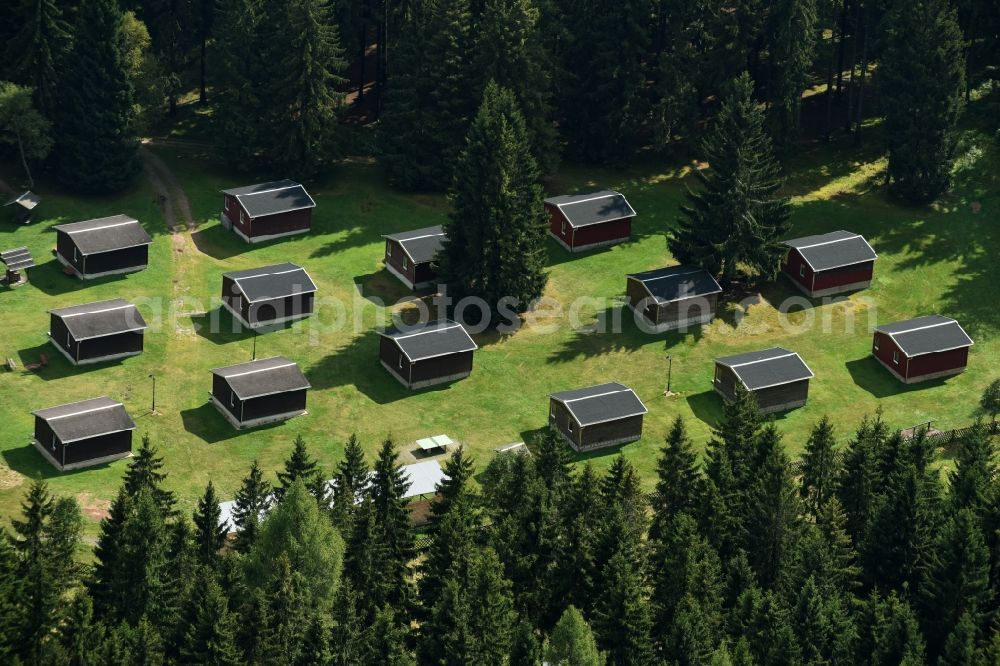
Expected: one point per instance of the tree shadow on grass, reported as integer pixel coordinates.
(615, 330)
(344, 239)
(207, 424)
(871, 376)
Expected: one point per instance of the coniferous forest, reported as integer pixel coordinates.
(862, 552)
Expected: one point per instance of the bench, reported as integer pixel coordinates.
(43, 361)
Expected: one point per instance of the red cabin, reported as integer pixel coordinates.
(923, 348)
(267, 210)
(828, 264)
(582, 222)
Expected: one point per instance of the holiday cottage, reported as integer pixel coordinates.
(673, 298)
(829, 264)
(597, 416)
(105, 246)
(95, 332)
(83, 433)
(267, 210)
(410, 255)
(778, 378)
(259, 392)
(433, 353)
(581, 222)
(269, 295)
(922, 349)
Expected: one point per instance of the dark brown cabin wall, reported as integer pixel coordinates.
(442, 366)
(110, 345)
(117, 260)
(637, 294)
(609, 431)
(280, 308)
(241, 220)
(602, 232)
(390, 354)
(272, 405)
(725, 380)
(60, 335)
(928, 364)
(557, 226)
(44, 436)
(224, 394)
(560, 417)
(394, 258)
(687, 308)
(783, 394)
(231, 294)
(792, 264)
(65, 247)
(98, 447)
(423, 273)
(281, 223)
(845, 275)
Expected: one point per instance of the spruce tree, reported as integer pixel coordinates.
(492, 618)
(989, 402)
(144, 472)
(305, 90)
(80, 637)
(11, 591)
(552, 459)
(860, 480)
(37, 50)
(95, 134)
(351, 478)
(458, 471)
(386, 640)
(971, 483)
(823, 625)
(210, 533)
(622, 620)
(892, 636)
(392, 522)
(679, 484)
(141, 584)
(347, 644)
(240, 108)
(252, 502)
(572, 642)
(298, 467)
(511, 53)
(602, 102)
(819, 467)
(290, 612)
(736, 218)
(792, 40)
(525, 649)
(922, 82)
(576, 565)
(496, 232)
(209, 634)
(960, 648)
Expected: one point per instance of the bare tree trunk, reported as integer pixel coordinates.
(849, 115)
(828, 130)
(840, 48)
(860, 114)
(202, 93)
(363, 50)
(24, 161)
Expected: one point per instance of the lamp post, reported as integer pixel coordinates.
(254, 356)
(153, 377)
(670, 371)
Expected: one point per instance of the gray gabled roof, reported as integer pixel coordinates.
(263, 377)
(17, 259)
(280, 196)
(601, 403)
(927, 335)
(836, 249)
(100, 319)
(86, 419)
(677, 283)
(420, 245)
(581, 210)
(433, 339)
(270, 282)
(105, 234)
(28, 200)
(767, 368)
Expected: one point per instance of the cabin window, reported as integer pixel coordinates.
(75, 255)
(569, 426)
(895, 357)
(388, 249)
(227, 203)
(406, 264)
(232, 399)
(718, 374)
(875, 344)
(68, 343)
(564, 227)
(243, 216)
(400, 360)
(802, 270)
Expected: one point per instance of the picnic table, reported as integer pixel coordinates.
(435, 443)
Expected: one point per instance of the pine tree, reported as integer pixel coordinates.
(773, 512)
(622, 619)
(144, 472)
(305, 93)
(253, 500)
(430, 99)
(572, 642)
(602, 102)
(819, 467)
(36, 52)
(679, 484)
(737, 218)
(387, 640)
(209, 635)
(240, 105)
(510, 52)
(956, 580)
(922, 77)
(96, 141)
(458, 471)
(496, 233)
(298, 466)
(971, 482)
(10, 598)
(352, 477)
(860, 481)
(140, 588)
(792, 36)
(210, 533)
(392, 523)
(892, 636)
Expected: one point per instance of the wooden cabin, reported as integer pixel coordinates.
(673, 298)
(410, 256)
(105, 246)
(598, 416)
(581, 222)
(269, 295)
(81, 434)
(778, 378)
(433, 353)
(96, 332)
(266, 211)
(259, 392)
(828, 264)
(24, 206)
(922, 349)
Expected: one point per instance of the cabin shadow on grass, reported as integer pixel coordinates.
(50, 279)
(206, 423)
(219, 327)
(383, 289)
(614, 331)
(357, 364)
(871, 376)
(218, 242)
(57, 368)
(28, 461)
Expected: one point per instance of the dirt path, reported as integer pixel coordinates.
(174, 200)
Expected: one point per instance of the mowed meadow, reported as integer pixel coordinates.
(938, 259)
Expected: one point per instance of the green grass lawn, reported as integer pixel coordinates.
(932, 260)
